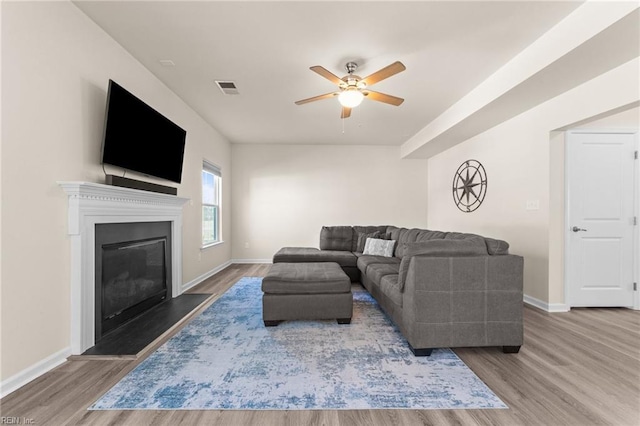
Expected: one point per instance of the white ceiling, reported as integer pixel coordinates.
(267, 48)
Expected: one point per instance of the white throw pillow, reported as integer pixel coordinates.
(377, 247)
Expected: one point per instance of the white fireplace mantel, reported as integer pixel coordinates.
(91, 204)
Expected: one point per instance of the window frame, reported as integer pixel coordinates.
(216, 171)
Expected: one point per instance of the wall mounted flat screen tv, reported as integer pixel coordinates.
(139, 138)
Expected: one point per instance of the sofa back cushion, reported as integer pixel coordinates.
(359, 231)
(336, 238)
(427, 235)
(494, 247)
(459, 236)
(362, 239)
(405, 236)
(393, 232)
(447, 248)
(398, 235)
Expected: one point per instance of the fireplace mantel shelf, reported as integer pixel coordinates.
(97, 191)
(90, 199)
(91, 204)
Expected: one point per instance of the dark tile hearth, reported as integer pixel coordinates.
(135, 335)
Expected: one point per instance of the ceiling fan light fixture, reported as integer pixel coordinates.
(350, 98)
(353, 88)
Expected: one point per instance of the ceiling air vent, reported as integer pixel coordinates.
(227, 87)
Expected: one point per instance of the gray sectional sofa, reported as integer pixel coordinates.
(442, 289)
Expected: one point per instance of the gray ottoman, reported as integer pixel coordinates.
(299, 291)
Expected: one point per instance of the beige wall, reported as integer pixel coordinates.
(524, 161)
(283, 194)
(55, 68)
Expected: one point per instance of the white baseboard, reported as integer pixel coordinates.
(251, 261)
(198, 280)
(36, 370)
(545, 306)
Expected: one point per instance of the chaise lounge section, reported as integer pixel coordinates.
(442, 289)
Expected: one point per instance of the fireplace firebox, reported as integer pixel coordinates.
(133, 271)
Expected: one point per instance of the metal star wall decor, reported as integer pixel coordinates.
(469, 186)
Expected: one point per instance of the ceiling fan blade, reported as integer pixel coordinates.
(317, 98)
(385, 72)
(381, 97)
(327, 74)
(346, 112)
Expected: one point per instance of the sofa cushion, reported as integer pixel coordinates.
(427, 235)
(336, 238)
(308, 254)
(394, 232)
(362, 239)
(357, 230)
(390, 288)
(447, 248)
(402, 238)
(376, 271)
(461, 236)
(365, 260)
(379, 247)
(404, 235)
(440, 248)
(494, 247)
(416, 235)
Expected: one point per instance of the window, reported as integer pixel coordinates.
(211, 198)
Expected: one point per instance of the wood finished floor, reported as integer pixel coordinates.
(576, 368)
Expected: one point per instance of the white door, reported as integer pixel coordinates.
(600, 246)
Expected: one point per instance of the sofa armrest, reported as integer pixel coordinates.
(463, 301)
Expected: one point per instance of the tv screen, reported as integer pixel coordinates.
(139, 138)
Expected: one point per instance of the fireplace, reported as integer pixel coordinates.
(133, 271)
(90, 206)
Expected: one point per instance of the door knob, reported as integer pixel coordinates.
(576, 229)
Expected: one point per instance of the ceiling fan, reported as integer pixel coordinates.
(353, 88)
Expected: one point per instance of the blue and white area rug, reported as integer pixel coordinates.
(227, 359)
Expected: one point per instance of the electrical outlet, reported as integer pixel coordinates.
(246, 245)
(533, 205)
(199, 256)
